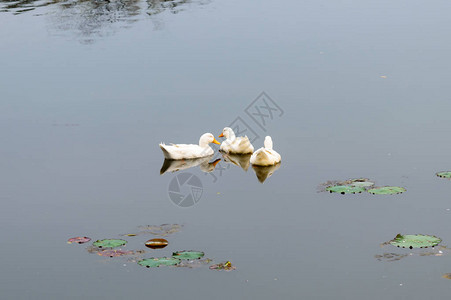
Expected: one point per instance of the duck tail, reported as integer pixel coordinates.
(165, 151)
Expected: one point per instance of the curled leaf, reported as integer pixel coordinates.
(156, 243)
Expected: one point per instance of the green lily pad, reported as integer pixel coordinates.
(446, 174)
(387, 190)
(109, 243)
(415, 241)
(190, 255)
(345, 189)
(156, 262)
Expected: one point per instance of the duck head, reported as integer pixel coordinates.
(206, 139)
(228, 133)
(268, 142)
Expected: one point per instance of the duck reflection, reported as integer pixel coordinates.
(265, 172)
(95, 18)
(177, 165)
(240, 160)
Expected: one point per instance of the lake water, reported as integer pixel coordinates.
(90, 88)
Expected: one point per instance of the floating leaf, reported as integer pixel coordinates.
(226, 266)
(156, 262)
(415, 241)
(78, 240)
(387, 190)
(355, 182)
(446, 276)
(345, 189)
(162, 230)
(446, 174)
(109, 243)
(115, 253)
(363, 184)
(188, 254)
(194, 263)
(156, 243)
(130, 234)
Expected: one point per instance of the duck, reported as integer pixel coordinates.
(233, 144)
(190, 151)
(266, 156)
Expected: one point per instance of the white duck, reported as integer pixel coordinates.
(184, 151)
(265, 156)
(235, 145)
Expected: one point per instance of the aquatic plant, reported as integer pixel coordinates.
(109, 243)
(226, 266)
(387, 190)
(345, 189)
(156, 243)
(188, 255)
(78, 240)
(415, 241)
(115, 253)
(156, 262)
(445, 174)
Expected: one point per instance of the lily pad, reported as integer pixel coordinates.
(156, 243)
(387, 190)
(79, 240)
(191, 264)
(345, 189)
(115, 253)
(415, 241)
(363, 184)
(446, 174)
(156, 262)
(161, 230)
(109, 243)
(190, 255)
(226, 266)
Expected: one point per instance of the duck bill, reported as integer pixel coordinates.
(216, 142)
(221, 135)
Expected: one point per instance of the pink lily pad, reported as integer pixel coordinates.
(115, 253)
(78, 240)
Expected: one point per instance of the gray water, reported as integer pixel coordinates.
(90, 88)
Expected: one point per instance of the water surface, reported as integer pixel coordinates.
(89, 89)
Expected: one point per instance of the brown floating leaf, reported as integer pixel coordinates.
(162, 230)
(156, 243)
(226, 266)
